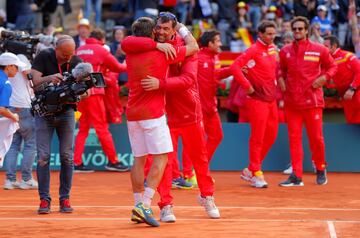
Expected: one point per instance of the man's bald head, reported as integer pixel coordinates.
(65, 48)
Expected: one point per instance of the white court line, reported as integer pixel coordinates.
(331, 229)
(220, 207)
(47, 218)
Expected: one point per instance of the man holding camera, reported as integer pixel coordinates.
(49, 66)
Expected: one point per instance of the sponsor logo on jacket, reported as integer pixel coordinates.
(312, 56)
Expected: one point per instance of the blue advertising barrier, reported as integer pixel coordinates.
(341, 141)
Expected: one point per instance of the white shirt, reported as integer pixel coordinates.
(21, 92)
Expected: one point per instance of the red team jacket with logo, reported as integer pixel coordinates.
(348, 72)
(94, 53)
(182, 97)
(259, 61)
(301, 64)
(144, 105)
(209, 75)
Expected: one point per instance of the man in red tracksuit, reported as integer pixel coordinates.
(183, 110)
(92, 108)
(255, 70)
(209, 75)
(347, 78)
(305, 67)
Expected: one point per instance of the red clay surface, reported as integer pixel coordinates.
(103, 202)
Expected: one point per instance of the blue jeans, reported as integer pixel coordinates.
(25, 22)
(26, 134)
(64, 125)
(96, 5)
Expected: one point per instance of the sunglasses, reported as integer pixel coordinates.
(298, 28)
(168, 15)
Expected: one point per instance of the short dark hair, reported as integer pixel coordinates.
(302, 19)
(207, 37)
(165, 17)
(266, 24)
(143, 26)
(98, 34)
(333, 40)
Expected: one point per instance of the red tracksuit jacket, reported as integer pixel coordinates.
(209, 75)
(94, 53)
(258, 61)
(348, 72)
(301, 64)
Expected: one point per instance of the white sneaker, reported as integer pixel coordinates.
(9, 185)
(30, 184)
(259, 182)
(246, 175)
(209, 204)
(167, 214)
(288, 170)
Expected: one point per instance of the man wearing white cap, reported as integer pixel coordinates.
(9, 64)
(83, 29)
(20, 103)
(325, 24)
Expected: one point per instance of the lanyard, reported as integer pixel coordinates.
(67, 68)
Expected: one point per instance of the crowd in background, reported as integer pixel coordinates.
(236, 20)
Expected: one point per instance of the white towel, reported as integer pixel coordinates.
(7, 129)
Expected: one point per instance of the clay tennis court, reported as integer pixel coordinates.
(103, 202)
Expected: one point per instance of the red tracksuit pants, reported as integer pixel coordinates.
(351, 111)
(93, 114)
(194, 143)
(214, 135)
(263, 119)
(312, 118)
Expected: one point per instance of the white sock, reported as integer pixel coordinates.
(148, 195)
(138, 198)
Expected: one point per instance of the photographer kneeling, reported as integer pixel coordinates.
(49, 66)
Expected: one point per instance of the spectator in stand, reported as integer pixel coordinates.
(63, 8)
(20, 103)
(119, 34)
(227, 18)
(183, 10)
(286, 9)
(315, 34)
(167, 6)
(83, 29)
(256, 8)
(259, 83)
(25, 20)
(93, 5)
(346, 79)
(354, 20)
(144, 8)
(305, 67)
(305, 8)
(241, 27)
(92, 108)
(343, 21)
(325, 23)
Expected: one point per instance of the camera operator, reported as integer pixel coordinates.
(49, 66)
(9, 64)
(92, 108)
